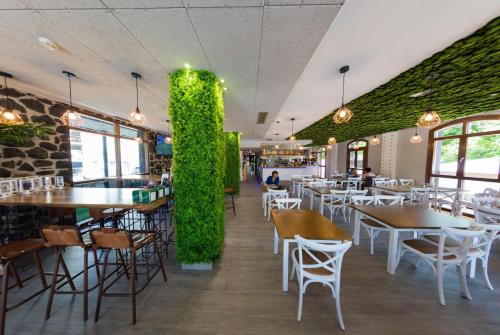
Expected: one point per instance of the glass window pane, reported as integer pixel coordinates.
(359, 163)
(455, 129)
(92, 155)
(482, 126)
(482, 156)
(445, 182)
(352, 157)
(131, 132)
(361, 144)
(445, 158)
(132, 157)
(97, 125)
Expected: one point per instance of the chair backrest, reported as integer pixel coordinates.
(339, 195)
(389, 200)
(315, 184)
(406, 182)
(392, 182)
(307, 179)
(464, 238)
(362, 200)
(333, 250)
(380, 182)
(289, 203)
(485, 214)
(61, 236)
(419, 195)
(111, 238)
(329, 183)
(485, 201)
(357, 192)
(277, 194)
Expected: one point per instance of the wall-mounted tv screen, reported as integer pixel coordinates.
(163, 148)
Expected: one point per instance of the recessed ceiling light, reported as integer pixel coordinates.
(47, 43)
(222, 80)
(225, 88)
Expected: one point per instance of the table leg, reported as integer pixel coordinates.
(285, 265)
(322, 202)
(276, 241)
(393, 251)
(472, 271)
(357, 226)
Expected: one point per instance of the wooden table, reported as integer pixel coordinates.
(322, 191)
(306, 223)
(80, 197)
(403, 218)
(396, 189)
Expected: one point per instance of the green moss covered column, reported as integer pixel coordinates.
(232, 178)
(196, 109)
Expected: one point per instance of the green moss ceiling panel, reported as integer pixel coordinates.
(468, 82)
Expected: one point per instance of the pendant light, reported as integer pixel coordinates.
(416, 139)
(292, 138)
(430, 118)
(136, 117)
(301, 147)
(7, 114)
(329, 147)
(277, 146)
(375, 140)
(168, 138)
(343, 114)
(71, 117)
(139, 140)
(332, 140)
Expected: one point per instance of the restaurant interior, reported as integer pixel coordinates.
(249, 167)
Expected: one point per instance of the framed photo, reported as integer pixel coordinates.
(37, 183)
(27, 185)
(59, 181)
(47, 182)
(5, 188)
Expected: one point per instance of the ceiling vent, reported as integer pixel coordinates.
(261, 117)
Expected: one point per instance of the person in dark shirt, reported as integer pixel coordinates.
(367, 178)
(273, 179)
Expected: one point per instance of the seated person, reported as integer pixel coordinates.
(352, 172)
(273, 179)
(367, 177)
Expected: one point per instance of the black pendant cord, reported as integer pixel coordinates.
(343, 87)
(70, 92)
(7, 102)
(136, 95)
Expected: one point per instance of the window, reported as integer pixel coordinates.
(466, 153)
(322, 161)
(95, 147)
(357, 155)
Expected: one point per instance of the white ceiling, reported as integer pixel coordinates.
(277, 56)
(379, 40)
(259, 47)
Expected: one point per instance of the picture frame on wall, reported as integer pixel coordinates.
(27, 185)
(59, 181)
(37, 183)
(5, 188)
(14, 185)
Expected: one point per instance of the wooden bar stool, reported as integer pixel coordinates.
(60, 237)
(228, 190)
(8, 254)
(132, 241)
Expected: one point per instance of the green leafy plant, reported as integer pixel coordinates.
(23, 132)
(468, 83)
(232, 177)
(197, 112)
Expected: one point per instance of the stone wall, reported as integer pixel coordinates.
(37, 156)
(50, 156)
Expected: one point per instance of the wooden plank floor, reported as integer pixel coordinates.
(243, 295)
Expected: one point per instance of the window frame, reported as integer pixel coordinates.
(117, 136)
(365, 154)
(462, 148)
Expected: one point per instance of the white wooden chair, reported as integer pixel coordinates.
(374, 228)
(337, 200)
(407, 182)
(445, 197)
(315, 262)
(392, 182)
(307, 188)
(271, 197)
(350, 194)
(419, 196)
(440, 257)
(288, 203)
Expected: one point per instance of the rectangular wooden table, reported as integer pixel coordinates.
(396, 189)
(80, 197)
(306, 223)
(403, 218)
(322, 191)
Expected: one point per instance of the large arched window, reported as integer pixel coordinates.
(357, 155)
(322, 161)
(465, 153)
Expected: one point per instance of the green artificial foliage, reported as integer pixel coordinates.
(196, 109)
(232, 177)
(21, 133)
(467, 83)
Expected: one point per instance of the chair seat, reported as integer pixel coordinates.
(307, 260)
(372, 223)
(18, 248)
(228, 190)
(425, 247)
